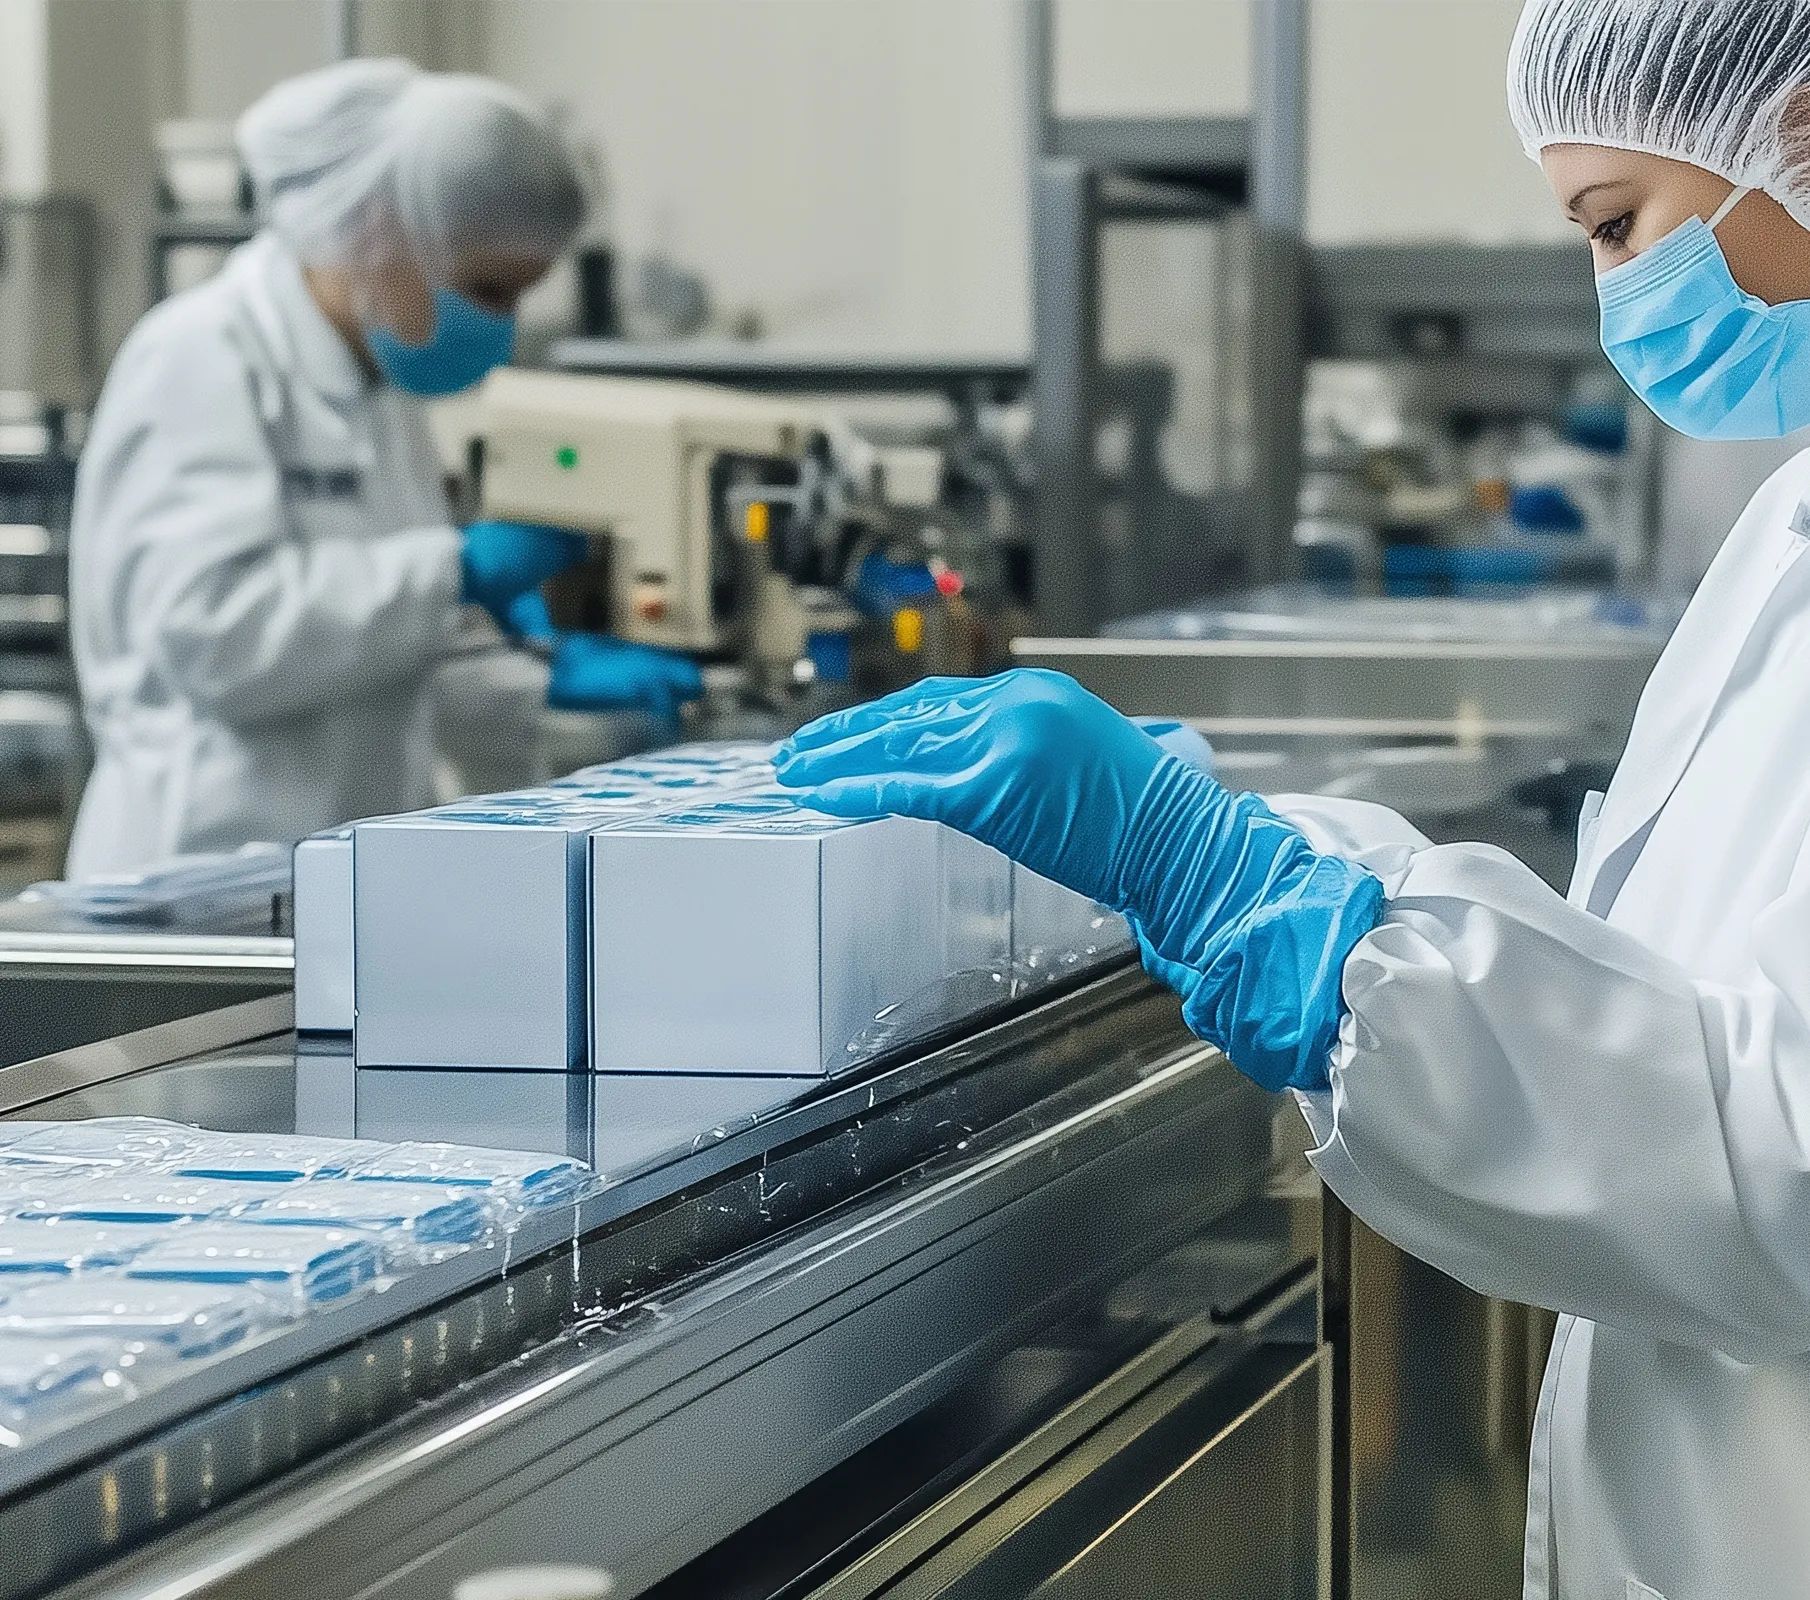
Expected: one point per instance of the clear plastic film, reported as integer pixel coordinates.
(300, 1266)
(133, 1250)
(408, 1221)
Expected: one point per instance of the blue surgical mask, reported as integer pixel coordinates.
(467, 341)
(1711, 360)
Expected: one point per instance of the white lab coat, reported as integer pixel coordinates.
(1603, 1107)
(263, 578)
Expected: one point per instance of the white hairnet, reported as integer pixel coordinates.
(1722, 84)
(345, 158)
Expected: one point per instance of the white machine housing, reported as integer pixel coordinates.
(634, 459)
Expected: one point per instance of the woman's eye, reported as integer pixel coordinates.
(1615, 232)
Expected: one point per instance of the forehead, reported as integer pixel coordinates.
(1572, 168)
(500, 267)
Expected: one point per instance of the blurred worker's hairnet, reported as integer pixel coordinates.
(1722, 84)
(355, 158)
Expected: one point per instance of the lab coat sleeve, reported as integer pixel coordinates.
(1372, 836)
(182, 497)
(1545, 1108)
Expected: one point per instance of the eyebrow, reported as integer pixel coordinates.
(1577, 199)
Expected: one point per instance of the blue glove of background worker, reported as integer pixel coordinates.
(1231, 905)
(502, 561)
(595, 673)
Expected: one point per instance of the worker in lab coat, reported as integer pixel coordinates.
(1598, 1104)
(264, 576)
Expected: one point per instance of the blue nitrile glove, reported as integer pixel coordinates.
(1179, 740)
(594, 673)
(527, 617)
(504, 560)
(1216, 883)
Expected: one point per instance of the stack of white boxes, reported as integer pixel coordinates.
(675, 914)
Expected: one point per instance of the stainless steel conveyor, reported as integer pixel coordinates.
(1031, 1310)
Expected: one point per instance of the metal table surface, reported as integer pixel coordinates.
(928, 1261)
(65, 982)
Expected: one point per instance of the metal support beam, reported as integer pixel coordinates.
(1278, 194)
(1065, 298)
(342, 29)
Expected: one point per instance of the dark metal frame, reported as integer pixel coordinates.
(1088, 171)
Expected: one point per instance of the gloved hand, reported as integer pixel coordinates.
(1217, 885)
(504, 560)
(594, 673)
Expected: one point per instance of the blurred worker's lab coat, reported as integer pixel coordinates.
(263, 577)
(1603, 1106)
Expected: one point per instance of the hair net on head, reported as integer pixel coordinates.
(356, 157)
(1722, 84)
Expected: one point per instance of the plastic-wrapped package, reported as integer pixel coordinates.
(408, 1219)
(322, 917)
(526, 1177)
(137, 1142)
(200, 891)
(189, 1318)
(753, 936)
(65, 1248)
(270, 1157)
(12, 1132)
(303, 1264)
(39, 1378)
(137, 1198)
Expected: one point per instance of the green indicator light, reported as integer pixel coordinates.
(566, 456)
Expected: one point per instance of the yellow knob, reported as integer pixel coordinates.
(908, 630)
(760, 521)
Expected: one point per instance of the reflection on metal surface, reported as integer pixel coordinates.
(1365, 688)
(147, 950)
(30, 1083)
(1443, 1387)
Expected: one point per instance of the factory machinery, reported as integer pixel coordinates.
(1031, 1307)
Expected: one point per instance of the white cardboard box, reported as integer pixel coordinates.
(323, 933)
(754, 938)
(469, 939)
(1056, 931)
(469, 921)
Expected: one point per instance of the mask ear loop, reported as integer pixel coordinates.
(1727, 206)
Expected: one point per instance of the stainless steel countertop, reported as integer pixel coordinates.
(1095, 1091)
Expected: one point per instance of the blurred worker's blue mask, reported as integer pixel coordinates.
(466, 343)
(1710, 359)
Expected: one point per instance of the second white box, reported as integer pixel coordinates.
(751, 937)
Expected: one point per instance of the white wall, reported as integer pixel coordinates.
(236, 49)
(1408, 128)
(1153, 58)
(24, 86)
(850, 170)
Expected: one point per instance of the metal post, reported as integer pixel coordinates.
(1037, 18)
(1335, 1311)
(1065, 298)
(1278, 193)
(342, 29)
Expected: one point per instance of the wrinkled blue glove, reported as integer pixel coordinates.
(595, 673)
(502, 561)
(1230, 903)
